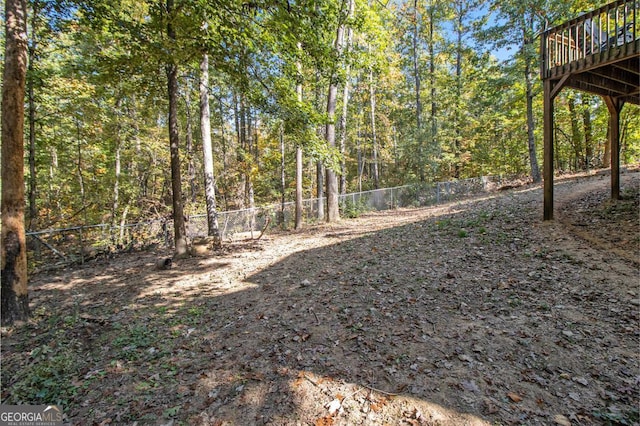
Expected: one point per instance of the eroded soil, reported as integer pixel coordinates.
(471, 313)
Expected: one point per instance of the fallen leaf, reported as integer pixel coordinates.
(324, 421)
(514, 397)
(561, 420)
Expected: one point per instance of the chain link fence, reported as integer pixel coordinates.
(59, 247)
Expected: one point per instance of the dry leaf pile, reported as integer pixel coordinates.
(471, 313)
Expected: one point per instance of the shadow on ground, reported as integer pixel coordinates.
(477, 315)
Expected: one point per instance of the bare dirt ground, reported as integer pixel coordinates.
(471, 313)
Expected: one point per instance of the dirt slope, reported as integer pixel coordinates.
(470, 313)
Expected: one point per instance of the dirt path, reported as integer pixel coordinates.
(469, 313)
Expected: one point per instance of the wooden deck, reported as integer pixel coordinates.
(597, 52)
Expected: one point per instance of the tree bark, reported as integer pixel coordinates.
(207, 151)
(14, 292)
(528, 74)
(432, 80)
(283, 179)
(588, 131)
(416, 77)
(333, 209)
(320, 188)
(298, 213)
(33, 179)
(191, 168)
(457, 144)
(345, 107)
(179, 227)
(576, 137)
(374, 140)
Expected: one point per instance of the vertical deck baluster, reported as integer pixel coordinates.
(553, 58)
(624, 23)
(608, 12)
(584, 39)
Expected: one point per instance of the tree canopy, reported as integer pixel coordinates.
(432, 95)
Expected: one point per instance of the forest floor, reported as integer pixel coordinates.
(469, 313)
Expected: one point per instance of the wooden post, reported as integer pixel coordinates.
(548, 150)
(614, 106)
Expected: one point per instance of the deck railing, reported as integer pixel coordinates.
(595, 32)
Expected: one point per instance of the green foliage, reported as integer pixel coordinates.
(99, 89)
(47, 380)
(353, 209)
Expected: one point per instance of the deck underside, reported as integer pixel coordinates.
(614, 72)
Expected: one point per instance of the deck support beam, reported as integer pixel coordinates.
(614, 106)
(550, 92)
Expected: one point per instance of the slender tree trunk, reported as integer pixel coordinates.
(417, 83)
(588, 131)
(33, 178)
(320, 188)
(374, 141)
(432, 78)
(249, 173)
(333, 210)
(457, 146)
(14, 295)
(360, 155)
(345, 107)
(343, 136)
(179, 226)
(283, 179)
(576, 137)
(528, 74)
(606, 156)
(117, 171)
(321, 132)
(207, 150)
(79, 165)
(116, 184)
(299, 207)
(225, 157)
(191, 168)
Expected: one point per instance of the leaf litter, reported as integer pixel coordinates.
(396, 317)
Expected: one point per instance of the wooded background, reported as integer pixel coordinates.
(415, 91)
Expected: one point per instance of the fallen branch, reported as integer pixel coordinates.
(264, 228)
(49, 246)
(379, 391)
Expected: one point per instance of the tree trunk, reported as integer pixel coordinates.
(606, 156)
(33, 179)
(207, 150)
(14, 295)
(299, 207)
(457, 144)
(191, 168)
(117, 171)
(416, 76)
(320, 188)
(249, 170)
(283, 180)
(432, 78)
(588, 131)
(179, 227)
(333, 210)
(359, 154)
(531, 142)
(576, 137)
(374, 141)
(319, 166)
(345, 107)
